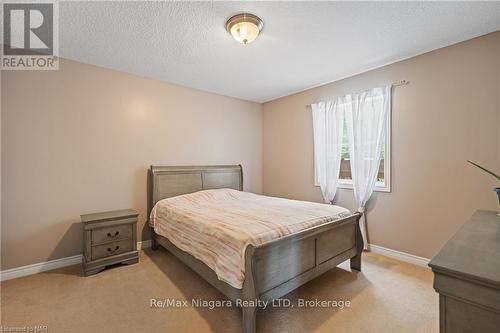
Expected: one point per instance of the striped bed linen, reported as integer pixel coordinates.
(215, 226)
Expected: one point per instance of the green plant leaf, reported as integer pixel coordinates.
(485, 170)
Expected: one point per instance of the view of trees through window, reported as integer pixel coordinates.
(345, 164)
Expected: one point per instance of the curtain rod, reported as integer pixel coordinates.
(394, 84)
(400, 83)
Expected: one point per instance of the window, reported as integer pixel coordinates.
(384, 173)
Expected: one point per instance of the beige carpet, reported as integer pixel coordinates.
(388, 296)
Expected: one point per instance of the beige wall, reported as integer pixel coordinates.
(80, 140)
(498, 105)
(449, 113)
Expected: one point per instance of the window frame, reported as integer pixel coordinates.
(384, 186)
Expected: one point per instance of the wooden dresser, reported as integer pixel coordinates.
(109, 238)
(467, 276)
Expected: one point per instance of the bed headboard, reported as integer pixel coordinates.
(169, 181)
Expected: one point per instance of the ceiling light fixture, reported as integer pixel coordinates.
(244, 27)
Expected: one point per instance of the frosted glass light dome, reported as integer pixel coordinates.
(244, 27)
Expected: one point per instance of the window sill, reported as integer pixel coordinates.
(378, 188)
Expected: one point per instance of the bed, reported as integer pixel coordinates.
(271, 265)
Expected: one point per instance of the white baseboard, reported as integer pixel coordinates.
(74, 260)
(402, 256)
(39, 267)
(13, 273)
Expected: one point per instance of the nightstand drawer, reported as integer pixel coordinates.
(115, 233)
(111, 249)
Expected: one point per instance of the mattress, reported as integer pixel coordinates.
(216, 226)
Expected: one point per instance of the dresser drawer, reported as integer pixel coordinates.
(111, 249)
(118, 232)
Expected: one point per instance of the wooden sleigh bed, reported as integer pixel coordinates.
(273, 269)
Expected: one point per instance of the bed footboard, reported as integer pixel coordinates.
(274, 269)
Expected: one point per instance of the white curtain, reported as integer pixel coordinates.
(328, 126)
(366, 119)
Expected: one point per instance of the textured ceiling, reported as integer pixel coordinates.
(304, 44)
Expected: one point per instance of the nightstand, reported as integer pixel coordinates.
(109, 238)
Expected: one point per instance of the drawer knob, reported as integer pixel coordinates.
(113, 236)
(111, 251)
